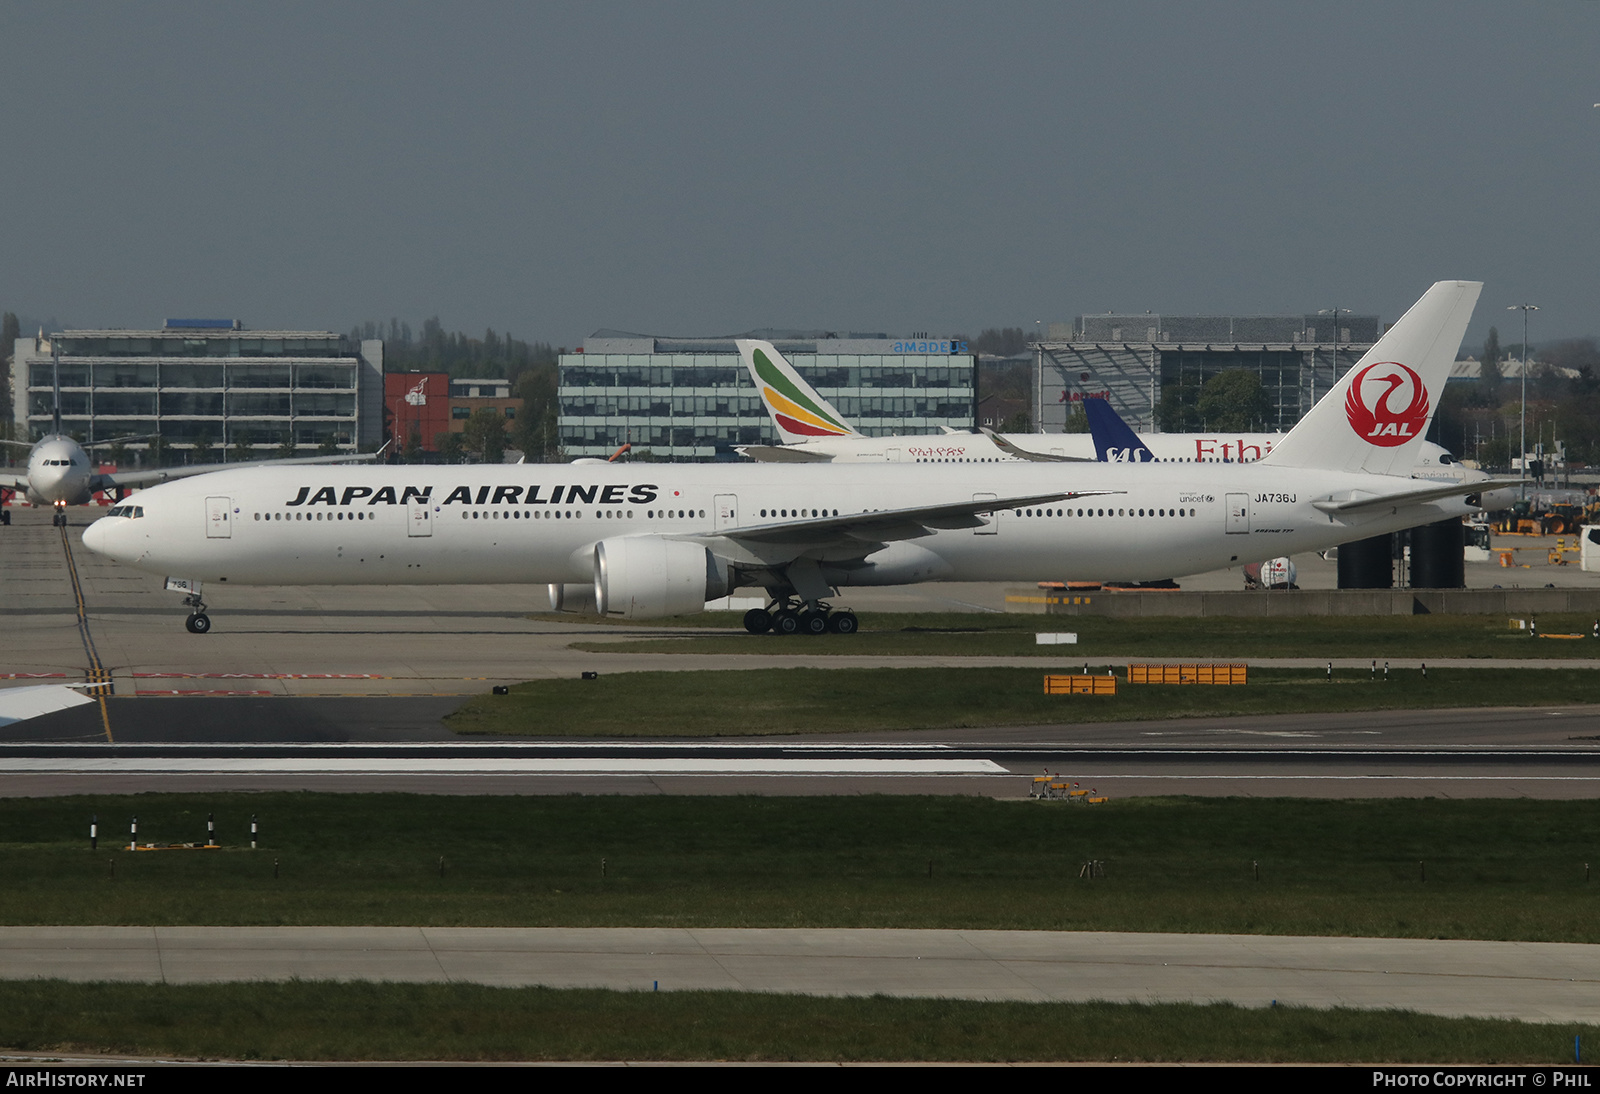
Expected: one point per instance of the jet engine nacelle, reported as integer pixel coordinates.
(648, 577)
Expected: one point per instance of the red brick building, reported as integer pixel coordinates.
(416, 402)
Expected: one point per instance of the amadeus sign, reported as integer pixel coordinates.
(930, 347)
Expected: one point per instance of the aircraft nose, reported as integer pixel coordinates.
(99, 536)
(94, 536)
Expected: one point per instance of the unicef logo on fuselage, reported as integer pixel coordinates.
(930, 347)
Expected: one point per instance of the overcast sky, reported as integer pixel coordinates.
(683, 168)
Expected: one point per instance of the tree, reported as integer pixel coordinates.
(412, 452)
(1234, 400)
(485, 434)
(202, 446)
(157, 450)
(449, 446)
(329, 445)
(242, 440)
(286, 447)
(117, 453)
(1489, 369)
(536, 421)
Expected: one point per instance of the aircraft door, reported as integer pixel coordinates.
(993, 527)
(727, 511)
(419, 519)
(1238, 513)
(219, 518)
(891, 455)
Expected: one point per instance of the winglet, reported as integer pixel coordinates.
(1374, 419)
(798, 412)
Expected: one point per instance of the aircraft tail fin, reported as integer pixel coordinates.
(1375, 418)
(1114, 440)
(798, 412)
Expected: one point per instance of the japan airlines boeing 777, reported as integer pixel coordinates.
(655, 540)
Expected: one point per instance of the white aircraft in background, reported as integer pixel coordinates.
(813, 431)
(655, 540)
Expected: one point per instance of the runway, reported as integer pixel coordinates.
(1530, 981)
(996, 768)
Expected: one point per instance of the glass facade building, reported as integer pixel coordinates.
(691, 399)
(202, 387)
(1138, 362)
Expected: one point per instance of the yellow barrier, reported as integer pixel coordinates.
(1080, 684)
(1186, 674)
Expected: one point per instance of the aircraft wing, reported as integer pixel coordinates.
(781, 453)
(117, 479)
(10, 480)
(1362, 502)
(1023, 454)
(20, 704)
(884, 525)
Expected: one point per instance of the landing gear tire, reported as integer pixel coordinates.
(813, 623)
(758, 621)
(198, 623)
(59, 520)
(843, 623)
(786, 623)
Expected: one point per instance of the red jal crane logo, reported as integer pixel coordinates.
(1369, 405)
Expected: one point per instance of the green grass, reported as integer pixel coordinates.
(977, 634)
(1502, 869)
(756, 702)
(363, 1021)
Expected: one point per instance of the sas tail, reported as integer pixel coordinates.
(1375, 417)
(1114, 441)
(797, 410)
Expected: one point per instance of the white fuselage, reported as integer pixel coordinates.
(540, 523)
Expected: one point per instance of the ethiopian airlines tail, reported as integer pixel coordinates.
(1374, 419)
(797, 410)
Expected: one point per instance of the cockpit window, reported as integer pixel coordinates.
(1446, 458)
(129, 511)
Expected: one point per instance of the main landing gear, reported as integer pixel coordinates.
(791, 616)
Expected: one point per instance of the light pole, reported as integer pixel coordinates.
(1335, 356)
(1522, 436)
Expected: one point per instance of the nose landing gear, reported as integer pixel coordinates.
(198, 622)
(59, 518)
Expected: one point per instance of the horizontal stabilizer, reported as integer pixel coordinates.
(1015, 451)
(1364, 500)
(781, 453)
